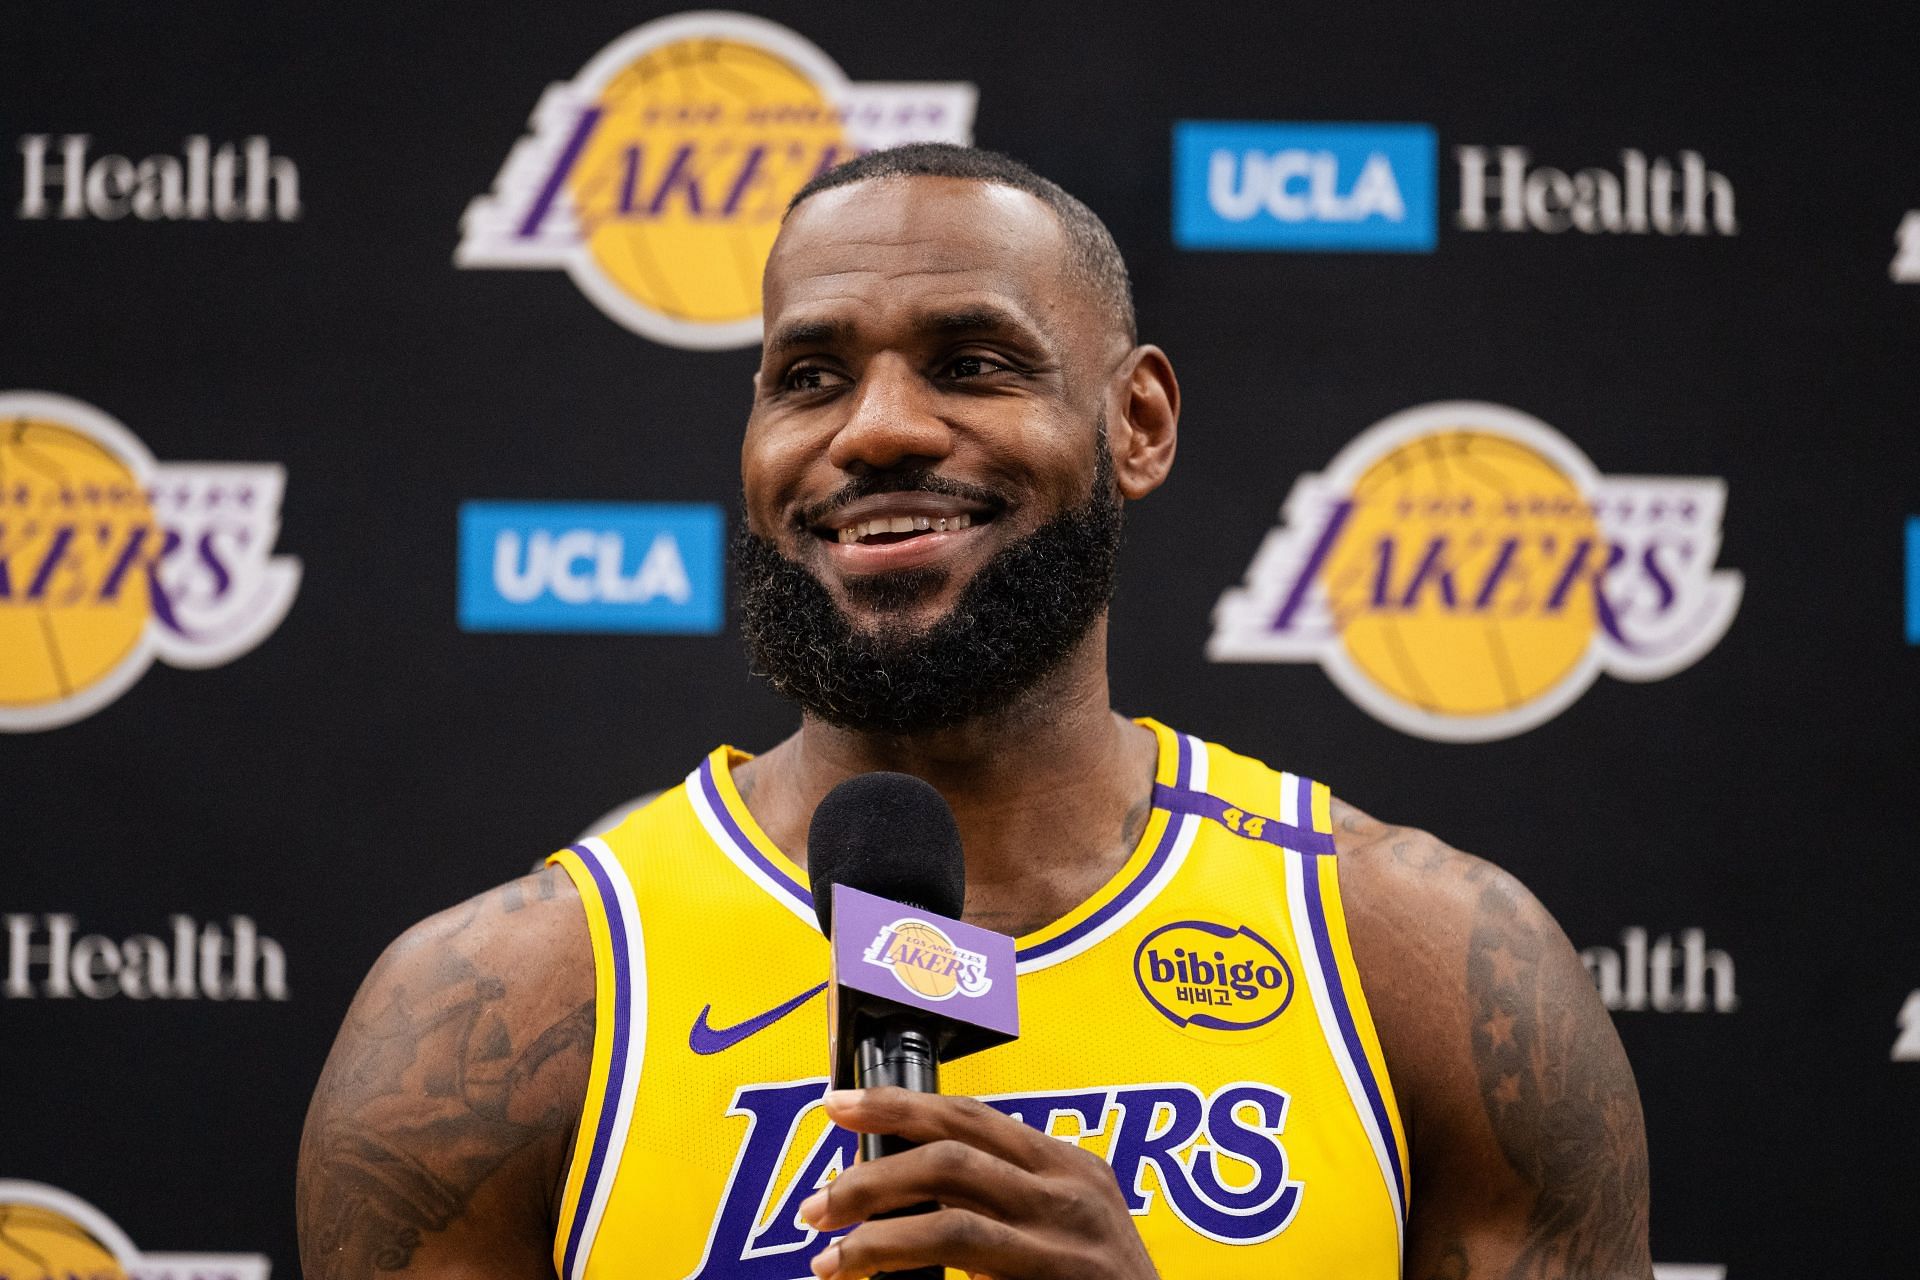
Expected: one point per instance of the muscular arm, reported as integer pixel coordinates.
(439, 1133)
(1528, 1147)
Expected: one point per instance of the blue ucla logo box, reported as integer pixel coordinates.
(1250, 185)
(1913, 579)
(591, 566)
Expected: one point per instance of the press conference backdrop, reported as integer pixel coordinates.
(370, 401)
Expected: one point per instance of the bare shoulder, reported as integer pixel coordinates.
(1528, 1146)
(1417, 909)
(439, 1132)
(1410, 898)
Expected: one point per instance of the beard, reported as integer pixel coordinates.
(1013, 625)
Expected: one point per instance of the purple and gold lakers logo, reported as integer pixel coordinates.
(1464, 573)
(47, 1234)
(1216, 1160)
(109, 560)
(1206, 977)
(927, 962)
(658, 176)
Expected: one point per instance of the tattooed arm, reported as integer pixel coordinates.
(438, 1137)
(1528, 1149)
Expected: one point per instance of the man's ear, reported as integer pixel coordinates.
(1143, 421)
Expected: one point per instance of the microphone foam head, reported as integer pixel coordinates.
(891, 835)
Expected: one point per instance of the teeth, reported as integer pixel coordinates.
(903, 524)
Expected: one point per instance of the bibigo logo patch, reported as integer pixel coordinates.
(109, 560)
(657, 177)
(927, 962)
(1202, 975)
(48, 1234)
(1464, 573)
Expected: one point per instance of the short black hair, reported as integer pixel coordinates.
(1096, 258)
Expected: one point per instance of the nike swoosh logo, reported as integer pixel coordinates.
(704, 1039)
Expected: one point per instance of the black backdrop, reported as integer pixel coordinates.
(369, 761)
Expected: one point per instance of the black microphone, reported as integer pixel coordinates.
(892, 836)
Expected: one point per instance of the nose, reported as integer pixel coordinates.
(891, 420)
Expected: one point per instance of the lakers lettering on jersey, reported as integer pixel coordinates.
(1198, 1023)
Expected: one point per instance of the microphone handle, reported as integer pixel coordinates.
(897, 1051)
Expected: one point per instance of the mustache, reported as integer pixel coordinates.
(923, 480)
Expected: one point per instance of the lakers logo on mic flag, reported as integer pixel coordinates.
(926, 961)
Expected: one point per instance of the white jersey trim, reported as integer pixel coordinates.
(593, 1199)
(1330, 1032)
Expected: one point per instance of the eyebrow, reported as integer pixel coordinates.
(977, 319)
(955, 323)
(808, 333)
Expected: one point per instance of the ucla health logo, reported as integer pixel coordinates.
(109, 560)
(926, 961)
(1198, 974)
(590, 566)
(1243, 185)
(47, 1233)
(1464, 573)
(657, 177)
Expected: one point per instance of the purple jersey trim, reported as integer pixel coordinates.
(1336, 993)
(784, 882)
(1183, 771)
(617, 1068)
(1168, 838)
(1273, 831)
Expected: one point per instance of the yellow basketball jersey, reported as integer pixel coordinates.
(1198, 1023)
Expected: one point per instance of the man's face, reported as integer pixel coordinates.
(925, 446)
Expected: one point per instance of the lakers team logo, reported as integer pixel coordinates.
(1464, 574)
(1203, 975)
(1217, 1161)
(927, 962)
(657, 177)
(109, 560)
(47, 1234)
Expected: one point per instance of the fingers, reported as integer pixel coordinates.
(1013, 1201)
(949, 1237)
(929, 1117)
(947, 1171)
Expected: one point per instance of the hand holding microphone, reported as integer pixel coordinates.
(942, 1182)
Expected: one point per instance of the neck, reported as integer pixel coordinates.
(1049, 796)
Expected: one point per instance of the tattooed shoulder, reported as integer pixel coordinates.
(1510, 1076)
(457, 1076)
(1558, 1092)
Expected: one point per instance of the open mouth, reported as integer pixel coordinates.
(882, 530)
(884, 520)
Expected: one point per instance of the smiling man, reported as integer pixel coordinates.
(1264, 1033)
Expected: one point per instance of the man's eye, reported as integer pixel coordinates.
(973, 366)
(807, 377)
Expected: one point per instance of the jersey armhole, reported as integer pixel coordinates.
(1320, 922)
(1355, 991)
(619, 1028)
